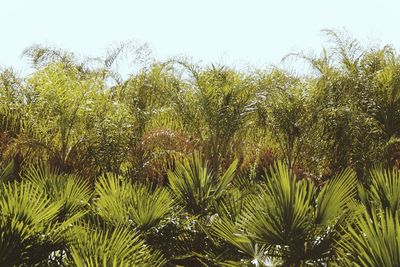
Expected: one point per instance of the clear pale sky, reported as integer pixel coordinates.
(234, 32)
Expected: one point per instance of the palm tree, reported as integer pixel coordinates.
(196, 187)
(371, 240)
(282, 109)
(31, 232)
(381, 191)
(215, 108)
(121, 203)
(372, 237)
(291, 221)
(112, 247)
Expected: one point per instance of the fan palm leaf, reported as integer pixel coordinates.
(373, 240)
(73, 192)
(123, 203)
(196, 187)
(294, 220)
(383, 191)
(112, 247)
(30, 230)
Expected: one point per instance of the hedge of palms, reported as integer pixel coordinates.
(199, 219)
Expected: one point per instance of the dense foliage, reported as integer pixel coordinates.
(181, 164)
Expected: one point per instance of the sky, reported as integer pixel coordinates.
(240, 33)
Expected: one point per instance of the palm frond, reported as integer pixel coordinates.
(122, 203)
(297, 223)
(6, 171)
(383, 191)
(334, 198)
(29, 229)
(196, 187)
(71, 191)
(120, 246)
(373, 240)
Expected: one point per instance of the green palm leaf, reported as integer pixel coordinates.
(373, 240)
(6, 171)
(296, 222)
(29, 229)
(117, 247)
(196, 187)
(123, 203)
(73, 192)
(334, 198)
(383, 192)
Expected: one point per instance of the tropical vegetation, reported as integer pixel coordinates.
(185, 164)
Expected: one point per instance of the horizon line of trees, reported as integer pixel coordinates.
(81, 116)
